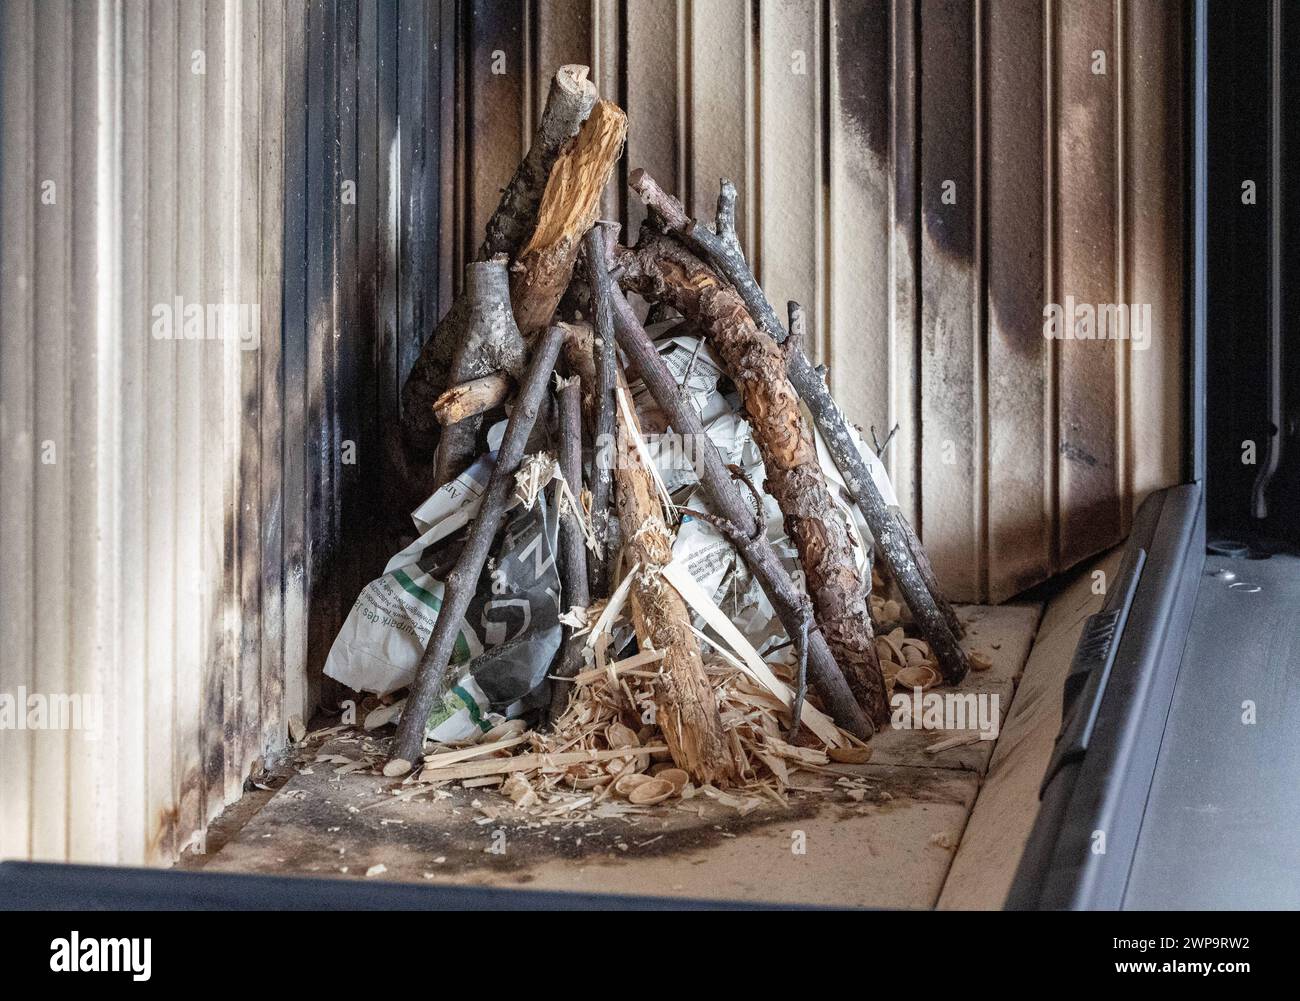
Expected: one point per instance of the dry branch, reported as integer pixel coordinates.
(686, 707)
(569, 208)
(744, 527)
(661, 269)
(573, 548)
(935, 617)
(568, 105)
(431, 672)
(884, 523)
(606, 366)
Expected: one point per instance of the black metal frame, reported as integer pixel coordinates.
(1120, 687)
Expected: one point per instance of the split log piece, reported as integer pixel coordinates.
(568, 210)
(686, 706)
(470, 399)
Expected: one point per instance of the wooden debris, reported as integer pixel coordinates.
(530, 762)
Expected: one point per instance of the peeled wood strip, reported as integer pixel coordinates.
(441, 758)
(527, 762)
(626, 664)
(569, 208)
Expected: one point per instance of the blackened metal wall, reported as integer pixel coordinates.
(924, 175)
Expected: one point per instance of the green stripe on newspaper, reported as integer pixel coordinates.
(459, 652)
(472, 705)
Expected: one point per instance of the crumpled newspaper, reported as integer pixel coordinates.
(509, 634)
(707, 554)
(513, 628)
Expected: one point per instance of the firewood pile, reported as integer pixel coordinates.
(660, 684)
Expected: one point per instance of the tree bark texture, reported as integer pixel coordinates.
(750, 539)
(935, 617)
(661, 269)
(491, 343)
(573, 543)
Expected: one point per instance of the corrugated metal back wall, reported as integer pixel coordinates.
(1059, 124)
(146, 561)
(183, 524)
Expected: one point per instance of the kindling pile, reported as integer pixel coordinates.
(663, 571)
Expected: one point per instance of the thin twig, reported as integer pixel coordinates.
(880, 446)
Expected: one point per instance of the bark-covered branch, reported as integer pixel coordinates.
(606, 365)
(491, 343)
(935, 618)
(573, 545)
(431, 679)
(662, 269)
(744, 527)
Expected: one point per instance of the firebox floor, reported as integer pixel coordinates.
(892, 847)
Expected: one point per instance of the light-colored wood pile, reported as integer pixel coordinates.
(602, 760)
